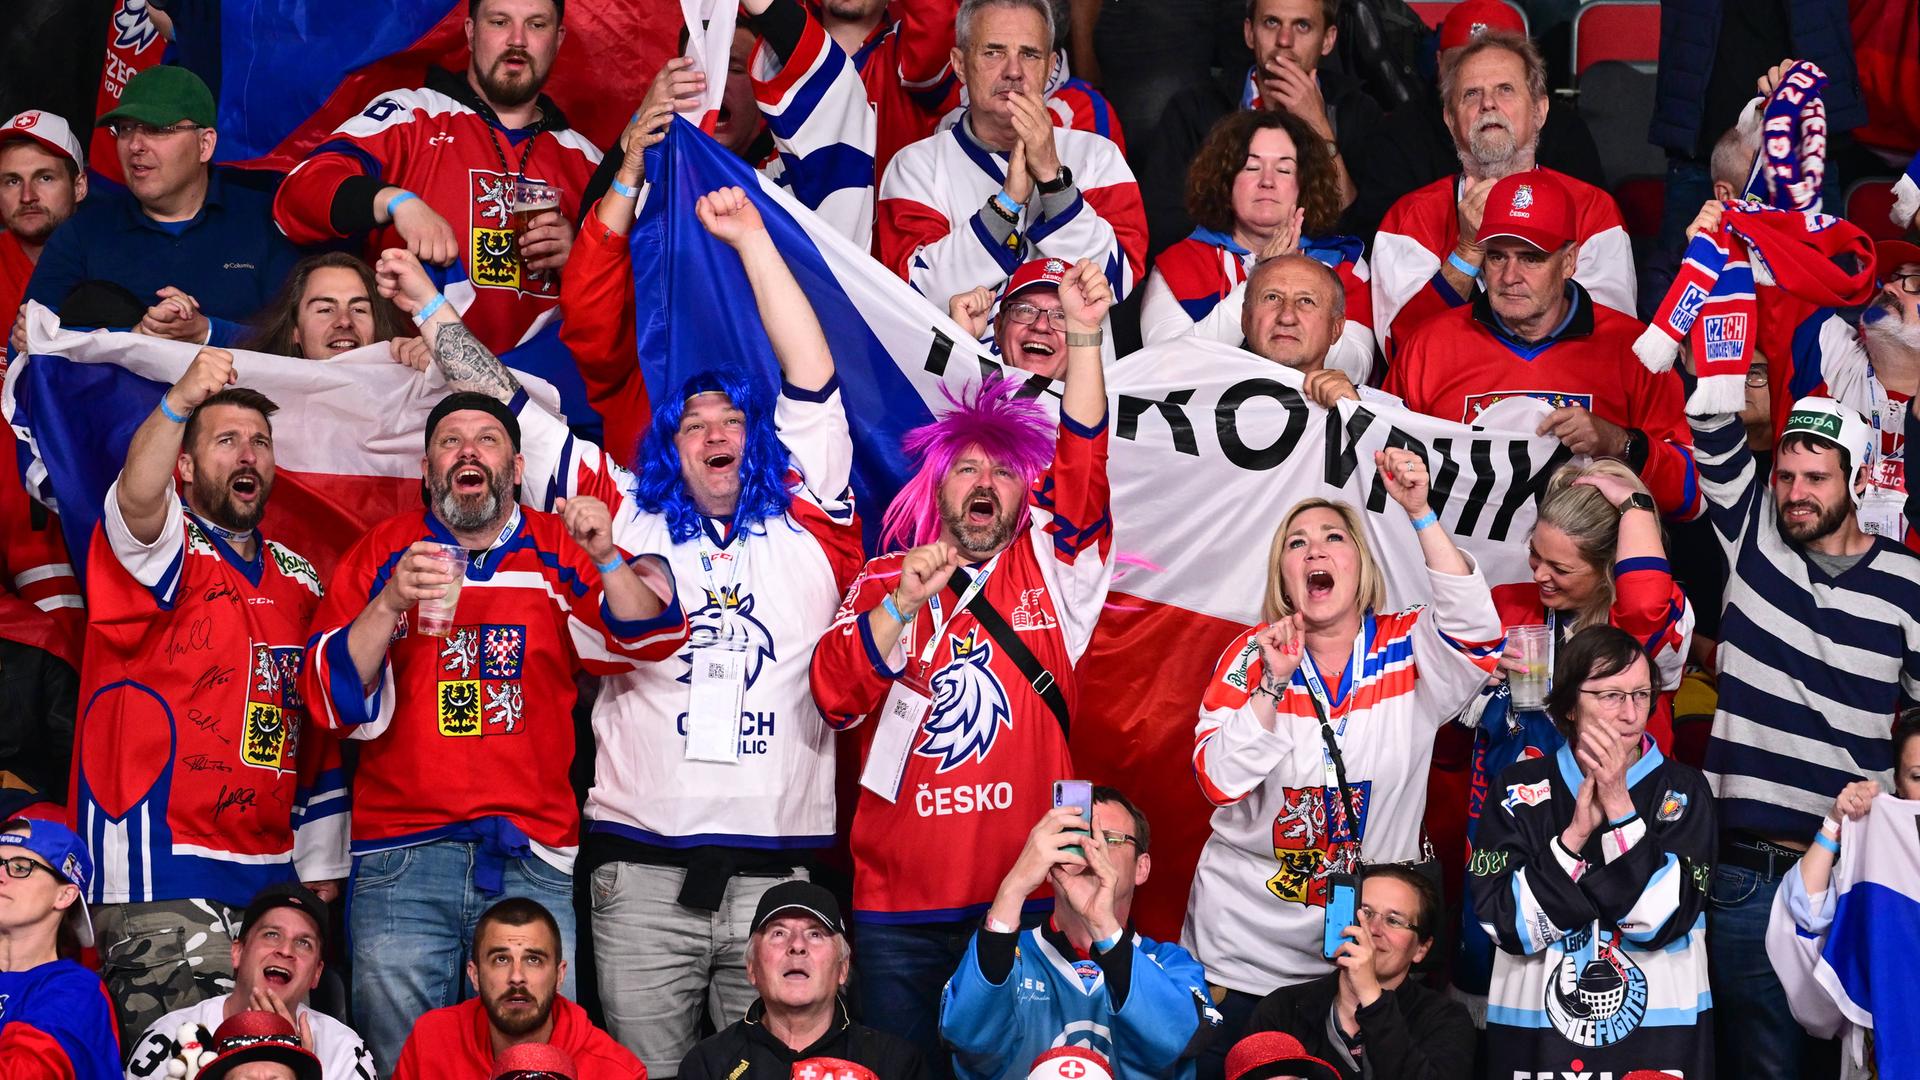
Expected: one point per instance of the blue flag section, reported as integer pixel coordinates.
(82, 446)
(694, 309)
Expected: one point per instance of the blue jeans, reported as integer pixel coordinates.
(902, 971)
(411, 921)
(1755, 1033)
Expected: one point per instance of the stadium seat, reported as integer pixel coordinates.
(1625, 30)
(1642, 200)
(1616, 101)
(1869, 202)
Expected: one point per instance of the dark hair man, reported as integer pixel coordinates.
(42, 180)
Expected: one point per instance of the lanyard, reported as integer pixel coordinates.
(940, 624)
(525, 153)
(1553, 645)
(479, 558)
(714, 589)
(1310, 673)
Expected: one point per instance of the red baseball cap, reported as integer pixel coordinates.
(47, 129)
(253, 1035)
(1270, 1048)
(1470, 19)
(1032, 275)
(1891, 255)
(1529, 206)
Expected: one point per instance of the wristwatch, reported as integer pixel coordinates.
(1639, 500)
(1056, 185)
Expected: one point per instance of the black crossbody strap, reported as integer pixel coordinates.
(1003, 635)
(1339, 772)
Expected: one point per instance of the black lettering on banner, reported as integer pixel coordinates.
(1226, 415)
(1035, 386)
(1172, 410)
(1396, 440)
(1343, 440)
(1480, 456)
(1441, 476)
(1519, 494)
(937, 356)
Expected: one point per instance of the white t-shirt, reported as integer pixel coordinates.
(342, 1055)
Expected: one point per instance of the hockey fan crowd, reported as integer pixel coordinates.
(641, 758)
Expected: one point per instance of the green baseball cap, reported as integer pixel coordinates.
(163, 95)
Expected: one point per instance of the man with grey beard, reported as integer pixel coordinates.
(1493, 92)
(461, 792)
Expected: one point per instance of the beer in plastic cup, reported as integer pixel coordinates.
(531, 198)
(1529, 645)
(435, 614)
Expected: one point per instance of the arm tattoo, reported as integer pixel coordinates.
(468, 364)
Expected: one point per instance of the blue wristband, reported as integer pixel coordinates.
(427, 309)
(624, 189)
(610, 565)
(887, 603)
(1425, 520)
(1827, 842)
(1106, 944)
(1007, 204)
(1454, 260)
(170, 414)
(397, 200)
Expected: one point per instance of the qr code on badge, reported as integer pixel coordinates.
(716, 671)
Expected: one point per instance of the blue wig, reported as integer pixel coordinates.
(660, 488)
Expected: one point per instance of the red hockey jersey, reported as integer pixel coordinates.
(1459, 363)
(1422, 228)
(192, 774)
(979, 772)
(442, 143)
(39, 597)
(456, 1043)
(492, 699)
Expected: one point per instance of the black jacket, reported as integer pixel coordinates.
(748, 1043)
(1411, 1033)
(1162, 169)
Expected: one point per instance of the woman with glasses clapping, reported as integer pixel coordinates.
(1591, 876)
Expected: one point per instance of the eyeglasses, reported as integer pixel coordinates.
(1613, 699)
(1393, 919)
(1756, 377)
(1909, 283)
(1025, 314)
(127, 129)
(1114, 839)
(22, 867)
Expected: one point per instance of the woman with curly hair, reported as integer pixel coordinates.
(1262, 185)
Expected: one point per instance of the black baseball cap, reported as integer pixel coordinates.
(465, 400)
(802, 896)
(287, 894)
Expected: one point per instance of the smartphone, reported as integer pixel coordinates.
(1079, 795)
(1341, 898)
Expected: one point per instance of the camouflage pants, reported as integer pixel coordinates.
(157, 957)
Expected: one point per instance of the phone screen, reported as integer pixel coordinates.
(1341, 899)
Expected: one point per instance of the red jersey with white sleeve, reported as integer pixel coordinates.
(771, 589)
(823, 128)
(1281, 828)
(1423, 228)
(933, 234)
(445, 145)
(1460, 363)
(981, 764)
(1199, 286)
(451, 716)
(194, 773)
(907, 68)
(40, 601)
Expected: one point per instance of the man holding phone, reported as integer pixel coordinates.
(1367, 1018)
(1142, 1003)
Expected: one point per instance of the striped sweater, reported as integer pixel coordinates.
(1813, 668)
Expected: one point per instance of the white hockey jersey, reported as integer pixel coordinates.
(932, 234)
(1260, 892)
(817, 108)
(772, 592)
(342, 1054)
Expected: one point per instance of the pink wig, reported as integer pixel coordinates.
(1016, 433)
